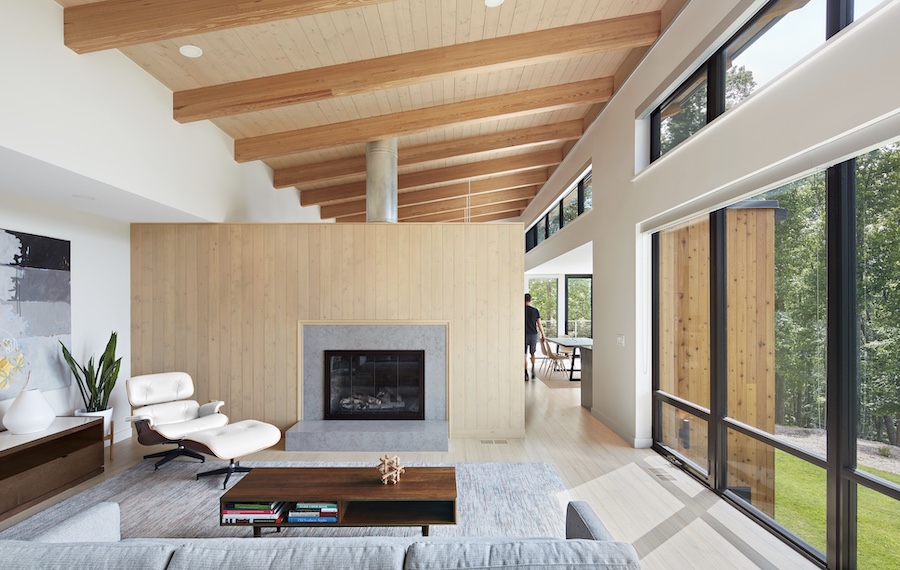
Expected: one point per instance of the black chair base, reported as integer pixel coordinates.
(233, 467)
(171, 454)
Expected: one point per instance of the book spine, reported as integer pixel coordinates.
(250, 512)
(251, 506)
(231, 519)
(315, 506)
(312, 519)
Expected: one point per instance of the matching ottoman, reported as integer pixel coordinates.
(232, 441)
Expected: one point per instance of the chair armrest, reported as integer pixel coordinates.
(138, 419)
(583, 522)
(99, 523)
(211, 407)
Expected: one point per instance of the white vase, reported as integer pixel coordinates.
(105, 414)
(30, 412)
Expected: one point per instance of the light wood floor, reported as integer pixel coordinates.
(672, 520)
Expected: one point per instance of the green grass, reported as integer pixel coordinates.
(800, 498)
(800, 507)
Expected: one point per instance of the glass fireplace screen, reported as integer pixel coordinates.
(375, 384)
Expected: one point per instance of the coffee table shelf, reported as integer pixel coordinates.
(424, 496)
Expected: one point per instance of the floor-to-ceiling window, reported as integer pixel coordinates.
(545, 298)
(877, 391)
(579, 306)
(777, 357)
(682, 379)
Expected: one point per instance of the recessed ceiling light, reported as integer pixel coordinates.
(194, 51)
(492, 3)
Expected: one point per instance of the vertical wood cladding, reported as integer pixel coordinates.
(222, 302)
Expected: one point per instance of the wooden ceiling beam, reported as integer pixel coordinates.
(494, 108)
(479, 214)
(334, 170)
(494, 217)
(498, 183)
(427, 206)
(379, 74)
(481, 169)
(413, 180)
(520, 196)
(119, 23)
(486, 214)
(300, 176)
(509, 181)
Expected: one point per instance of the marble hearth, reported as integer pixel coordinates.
(314, 433)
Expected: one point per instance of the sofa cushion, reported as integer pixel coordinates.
(22, 555)
(251, 553)
(546, 554)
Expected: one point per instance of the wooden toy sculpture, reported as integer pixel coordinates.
(390, 470)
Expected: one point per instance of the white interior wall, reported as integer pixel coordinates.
(88, 143)
(102, 117)
(101, 293)
(811, 117)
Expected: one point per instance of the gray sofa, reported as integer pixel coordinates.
(92, 540)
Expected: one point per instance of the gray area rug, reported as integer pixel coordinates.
(493, 499)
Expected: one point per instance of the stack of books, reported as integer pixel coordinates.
(313, 513)
(235, 513)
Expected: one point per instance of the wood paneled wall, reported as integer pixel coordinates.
(222, 302)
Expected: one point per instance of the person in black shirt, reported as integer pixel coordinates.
(533, 330)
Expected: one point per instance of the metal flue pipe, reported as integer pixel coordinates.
(381, 181)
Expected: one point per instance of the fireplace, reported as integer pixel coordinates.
(374, 384)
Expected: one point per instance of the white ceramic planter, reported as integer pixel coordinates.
(30, 412)
(105, 414)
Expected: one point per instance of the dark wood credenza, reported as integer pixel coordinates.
(36, 466)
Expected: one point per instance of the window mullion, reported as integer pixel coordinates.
(715, 81)
(838, 15)
(841, 362)
(655, 134)
(718, 367)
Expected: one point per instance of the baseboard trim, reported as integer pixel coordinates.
(625, 434)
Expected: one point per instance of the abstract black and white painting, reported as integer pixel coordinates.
(35, 308)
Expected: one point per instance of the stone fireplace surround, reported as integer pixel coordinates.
(313, 433)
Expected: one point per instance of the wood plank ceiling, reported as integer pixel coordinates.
(485, 101)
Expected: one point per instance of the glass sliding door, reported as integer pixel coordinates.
(682, 378)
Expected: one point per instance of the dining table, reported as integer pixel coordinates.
(575, 343)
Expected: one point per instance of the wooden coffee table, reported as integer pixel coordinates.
(423, 497)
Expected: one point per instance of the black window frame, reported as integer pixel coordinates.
(840, 464)
(715, 68)
(567, 277)
(531, 234)
(842, 474)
